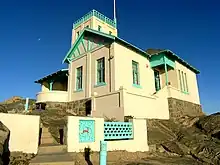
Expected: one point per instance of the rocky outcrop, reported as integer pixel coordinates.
(3, 109)
(197, 137)
(4, 140)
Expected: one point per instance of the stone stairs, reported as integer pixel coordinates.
(51, 153)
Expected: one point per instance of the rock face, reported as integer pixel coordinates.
(4, 139)
(192, 136)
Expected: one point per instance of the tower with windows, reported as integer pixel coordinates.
(95, 21)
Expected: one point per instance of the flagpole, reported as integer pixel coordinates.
(115, 12)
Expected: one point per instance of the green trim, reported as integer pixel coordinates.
(72, 49)
(78, 50)
(51, 86)
(177, 58)
(100, 84)
(135, 73)
(56, 76)
(78, 90)
(137, 86)
(97, 15)
(84, 45)
(166, 72)
(187, 93)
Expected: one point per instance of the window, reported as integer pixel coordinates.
(77, 34)
(79, 78)
(101, 70)
(99, 28)
(135, 72)
(183, 81)
(157, 80)
(187, 90)
(87, 26)
(110, 32)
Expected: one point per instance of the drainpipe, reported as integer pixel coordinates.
(166, 73)
(109, 59)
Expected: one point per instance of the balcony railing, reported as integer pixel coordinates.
(52, 96)
(96, 14)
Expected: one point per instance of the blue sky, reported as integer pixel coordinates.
(190, 28)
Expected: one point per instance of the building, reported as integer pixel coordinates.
(119, 78)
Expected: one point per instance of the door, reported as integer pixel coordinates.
(157, 80)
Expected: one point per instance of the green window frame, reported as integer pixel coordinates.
(79, 72)
(187, 89)
(135, 73)
(180, 80)
(99, 28)
(183, 81)
(101, 70)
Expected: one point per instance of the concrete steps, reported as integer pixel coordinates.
(46, 137)
(53, 159)
(49, 149)
(50, 153)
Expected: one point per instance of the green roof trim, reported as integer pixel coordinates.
(129, 45)
(180, 60)
(52, 76)
(111, 37)
(84, 32)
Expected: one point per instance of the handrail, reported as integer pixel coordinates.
(96, 14)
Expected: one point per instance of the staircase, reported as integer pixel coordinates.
(51, 153)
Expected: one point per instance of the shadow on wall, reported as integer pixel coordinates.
(87, 153)
(6, 151)
(88, 107)
(39, 138)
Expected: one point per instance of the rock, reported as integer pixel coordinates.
(4, 139)
(210, 125)
(3, 109)
(19, 158)
(196, 136)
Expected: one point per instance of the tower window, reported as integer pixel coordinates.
(110, 32)
(99, 28)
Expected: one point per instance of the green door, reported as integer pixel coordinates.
(157, 80)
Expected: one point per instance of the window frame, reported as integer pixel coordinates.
(79, 78)
(100, 71)
(135, 73)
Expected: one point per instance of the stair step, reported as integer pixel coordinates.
(53, 159)
(46, 149)
(45, 140)
(46, 134)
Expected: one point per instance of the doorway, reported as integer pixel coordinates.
(157, 80)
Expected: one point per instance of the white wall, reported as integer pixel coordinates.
(123, 71)
(142, 106)
(24, 132)
(138, 143)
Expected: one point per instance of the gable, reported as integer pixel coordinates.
(85, 43)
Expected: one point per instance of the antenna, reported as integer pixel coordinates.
(115, 11)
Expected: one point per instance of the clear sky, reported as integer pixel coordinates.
(190, 28)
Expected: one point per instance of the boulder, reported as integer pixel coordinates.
(3, 109)
(4, 140)
(210, 125)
